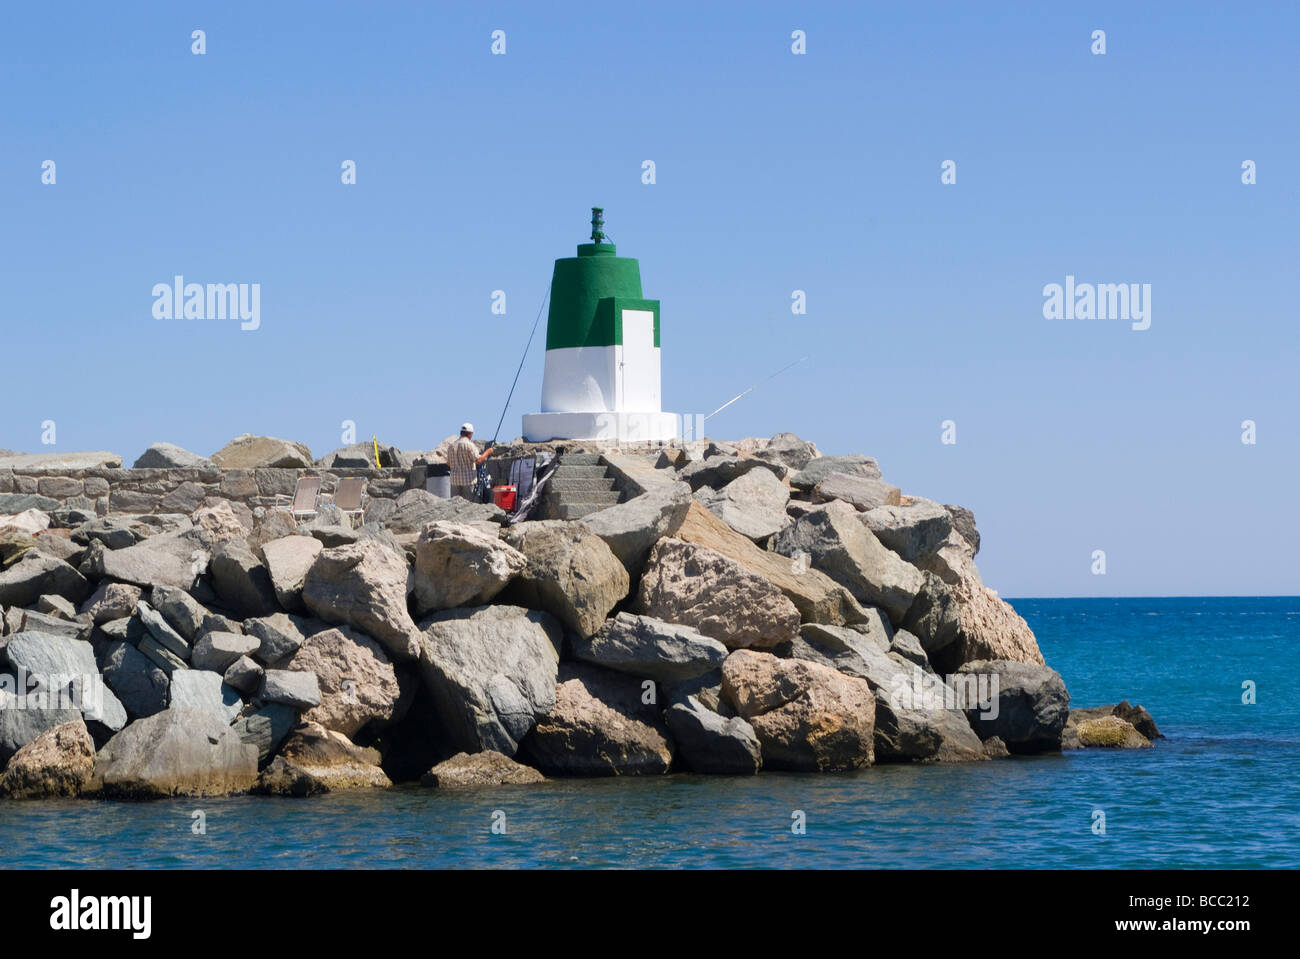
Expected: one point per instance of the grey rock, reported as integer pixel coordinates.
(170, 456)
(203, 690)
(909, 647)
(417, 508)
(13, 503)
(112, 531)
(183, 613)
(241, 580)
(170, 559)
(1032, 705)
(717, 471)
(57, 607)
(20, 725)
(217, 651)
(244, 675)
(159, 655)
(709, 743)
(862, 492)
(36, 574)
(838, 545)
(914, 532)
(492, 673)
(460, 565)
(279, 636)
(66, 668)
(290, 687)
(267, 728)
(178, 752)
(35, 622)
(818, 469)
(789, 451)
(753, 504)
(963, 521)
(287, 561)
(364, 585)
(650, 648)
(570, 573)
(160, 630)
(632, 528)
(140, 685)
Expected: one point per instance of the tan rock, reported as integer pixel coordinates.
(363, 584)
(696, 586)
(571, 573)
(818, 598)
(457, 564)
(475, 770)
(808, 717)
(355, 676)
(58, 762)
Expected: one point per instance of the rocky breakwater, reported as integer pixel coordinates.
(756, 606)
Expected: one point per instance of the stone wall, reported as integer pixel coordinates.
(143, 491)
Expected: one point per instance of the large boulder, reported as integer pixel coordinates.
(818, 598)
(178, 752)
(709, 742)
(862, 492)
(287, 561)
(21, 723)
(241, 580)
(808, 717)
(461, 565)
(290, 688)
(753, 504)
(818, 469)
(473, 771)
(111, 601)
(1111, 732)
(600, 726)
(266, 729)
(279, 635)
(717, 471)
(915, 532)
(65, 670)
(61, 461)
(30, 521)
(987, 627)
(570, 573)
(36, 574)
(631, 529)
(699, 587)
(170, 456)
(916, 714)
(356, 680)
(204, 691)
(247, 451)
(175, 559)
(182, 611)
(1025, 706)
(58, 762)
(218, 650)
(963, 521)
(786, 449)
(491, 671)
(417, 508)
(315, 760)
(837, 544)
(651, 648)
(140, 685)
(162, 631)
(364, 585)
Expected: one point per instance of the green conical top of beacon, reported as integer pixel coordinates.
(583, 293)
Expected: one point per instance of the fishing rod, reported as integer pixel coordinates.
(756, 386)
(523, 359)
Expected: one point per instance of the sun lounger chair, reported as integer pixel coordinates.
(306, 498)
(350, 497)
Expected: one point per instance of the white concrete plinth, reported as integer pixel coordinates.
(605, 426)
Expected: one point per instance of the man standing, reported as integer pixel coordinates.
(463, 458)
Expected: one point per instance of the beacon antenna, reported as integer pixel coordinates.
(756, 386)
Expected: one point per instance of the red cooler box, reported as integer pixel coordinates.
(504, 496)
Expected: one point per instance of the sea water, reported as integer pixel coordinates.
(1219, 791)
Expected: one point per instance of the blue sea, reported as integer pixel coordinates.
(1219, 791)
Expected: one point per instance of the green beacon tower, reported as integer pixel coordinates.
(602, 352)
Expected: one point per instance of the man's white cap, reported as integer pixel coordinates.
(467, 427)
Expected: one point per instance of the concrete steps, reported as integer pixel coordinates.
(579, 487)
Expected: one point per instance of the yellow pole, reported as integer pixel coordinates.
(375, 440)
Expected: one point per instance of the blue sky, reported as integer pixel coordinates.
(775, 172)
